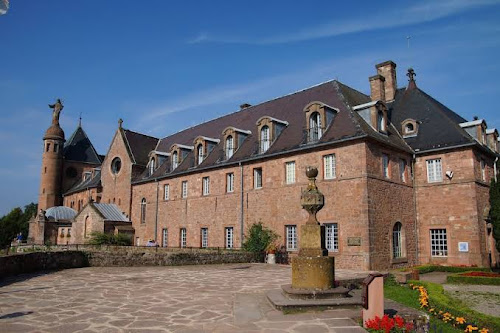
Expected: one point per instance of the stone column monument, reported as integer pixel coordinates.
(312, 269)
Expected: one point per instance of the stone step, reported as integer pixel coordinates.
(279, 300)
(338, 292)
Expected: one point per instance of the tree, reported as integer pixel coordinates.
(495, 211)
(15, 222)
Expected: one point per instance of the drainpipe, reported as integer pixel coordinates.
(241, 204)
(495, 168)
(415, 208)
(156, 213)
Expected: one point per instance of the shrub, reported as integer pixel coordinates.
(101, 238)
(459, 278)
(259, 238)
(452, 269)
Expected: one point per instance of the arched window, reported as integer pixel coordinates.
(152, 166)
(381, 121)
(143, 210)
(200, 153)
(264, 139)
(175, 160)
(409, 128)
(229, 146)
(315, 127)
(397, 240)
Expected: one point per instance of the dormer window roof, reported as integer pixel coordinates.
(233, 139)
(477, 129)
(319, 117)
(204, 146)
(269, 129)
(178, 152)
(409, 128)
(374, 113)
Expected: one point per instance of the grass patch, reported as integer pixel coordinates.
(461, 279)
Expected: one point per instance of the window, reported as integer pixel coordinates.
(164, 237)
(315, 127)
(206, 185)
(385, 165)
(397, 240)
(264, 139)
(439, 243)
(402, 170)
(175, 160)
(184, 189)
(229, 237)
(200, 153)
(143, 210)
(48, 147)
(483, 171)
(167, 191)
(329, 166)
(151, 166)
(257, 178)
(56, 148)
(204, 238)
(183, 240)
(229, 147)
(290, 172)
(409, 128)
(116, 165)
(87, 175)
(68, 232)
(434, 171)
(381, 121)
(230, 182)
(332, 237)
(62, 232)
(291, 237)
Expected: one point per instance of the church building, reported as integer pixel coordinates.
(405, 179)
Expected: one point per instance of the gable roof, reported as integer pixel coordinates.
(139, 146)
(92, 182)
(79, 148)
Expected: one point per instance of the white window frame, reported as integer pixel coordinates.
(175, 160)
(385, 166)
(438, 242)
(204, 238)
(143, 210)
(183, 238)
(184, 191)
(152, 166)
(205, 185)
(381, 121)
(332, 237)
(290, 172)
(291, 237)
(264, 139)
(434, 170)
(397, 241)
(166, 189)
(402, 170)
(229, 147)
(164, 237)
(200, 153)
(315, 127)
(230, 182)
(483, 170)
(257, 178)
(229, 233)
(329, 166)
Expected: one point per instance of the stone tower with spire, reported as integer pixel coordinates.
(52, 162)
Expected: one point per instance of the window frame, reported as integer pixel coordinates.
(205, 185)
(436, 243)
(398, 245)
(291, 237)
(175, 160)
(229, 146)
(265, 139)
(482, 164)
(329, 172)
(257, 178)
(166, 192)
(229, 238)
(230, 182)
(332, 244)
(290, 172)
(432, 165)
(204, 238)
(183, 238)
(402, 170)
(164, 237)
(184, 189)
(386, 173)
(143, 210)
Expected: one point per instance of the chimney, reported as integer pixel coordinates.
(377, 89)
(388, 70)
(244, 106)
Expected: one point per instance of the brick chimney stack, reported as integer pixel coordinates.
(377, 87)
(388, 70)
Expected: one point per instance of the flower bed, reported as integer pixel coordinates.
(444, 314)
(387, 324)
(475, 278)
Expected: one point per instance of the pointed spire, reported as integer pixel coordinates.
(120, 122)
(411, 79)
(80, 120)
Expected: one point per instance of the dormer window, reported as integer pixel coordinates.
(178, 153)
(264, 139)
(476, 129)
(492, 139)
(233, 139)
(200, 154)
(204, 147)
(319, 117)
(409, 128)
(229, 147)
(269, 129)
(175, 160)
(381, 121)
(375, 114)
(152, 166)
(87, 175)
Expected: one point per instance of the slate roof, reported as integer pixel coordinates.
(79, 148)
(92, 182)
(110, 212)
(346, 125)
(139, 145)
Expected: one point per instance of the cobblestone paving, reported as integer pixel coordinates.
(211, 298)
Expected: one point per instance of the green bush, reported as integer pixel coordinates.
(457, 278)
(452, 269)
(258, 238)
(101, 238)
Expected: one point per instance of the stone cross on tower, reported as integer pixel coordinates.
(57, 108)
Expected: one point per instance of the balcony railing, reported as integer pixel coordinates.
(312, 135)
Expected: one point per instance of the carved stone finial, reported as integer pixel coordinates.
(57, 108)
(312, 199)
(120, 122)
(411, 79)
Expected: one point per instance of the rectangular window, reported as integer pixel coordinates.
(439, 243)
(229, 237)
(290, 172)
(68, 233)
(184, 189)
(183, 240)
(385, 165)
(167, 192)
(48, 147)
(483, 170)
(257, 178)
(204, 238)
(402, 170)
(205, 185)
(230, 182)
(291, 237)
(164, 237)
(332, 237)
(56, 148)
(329, 166)
(434, 171)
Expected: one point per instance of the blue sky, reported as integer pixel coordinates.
(163, 66)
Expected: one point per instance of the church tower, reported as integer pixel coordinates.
(52, 161)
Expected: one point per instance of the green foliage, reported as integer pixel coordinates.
(452, 269)
(101, 238)
(495, 211)
(15, 222)
(259, 238)
(457, 278)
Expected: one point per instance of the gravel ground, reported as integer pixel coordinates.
(482, 298)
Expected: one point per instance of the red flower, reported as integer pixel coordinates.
(399, 321)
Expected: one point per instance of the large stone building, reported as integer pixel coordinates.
(405, 179)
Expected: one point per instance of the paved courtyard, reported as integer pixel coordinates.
(210, 298)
